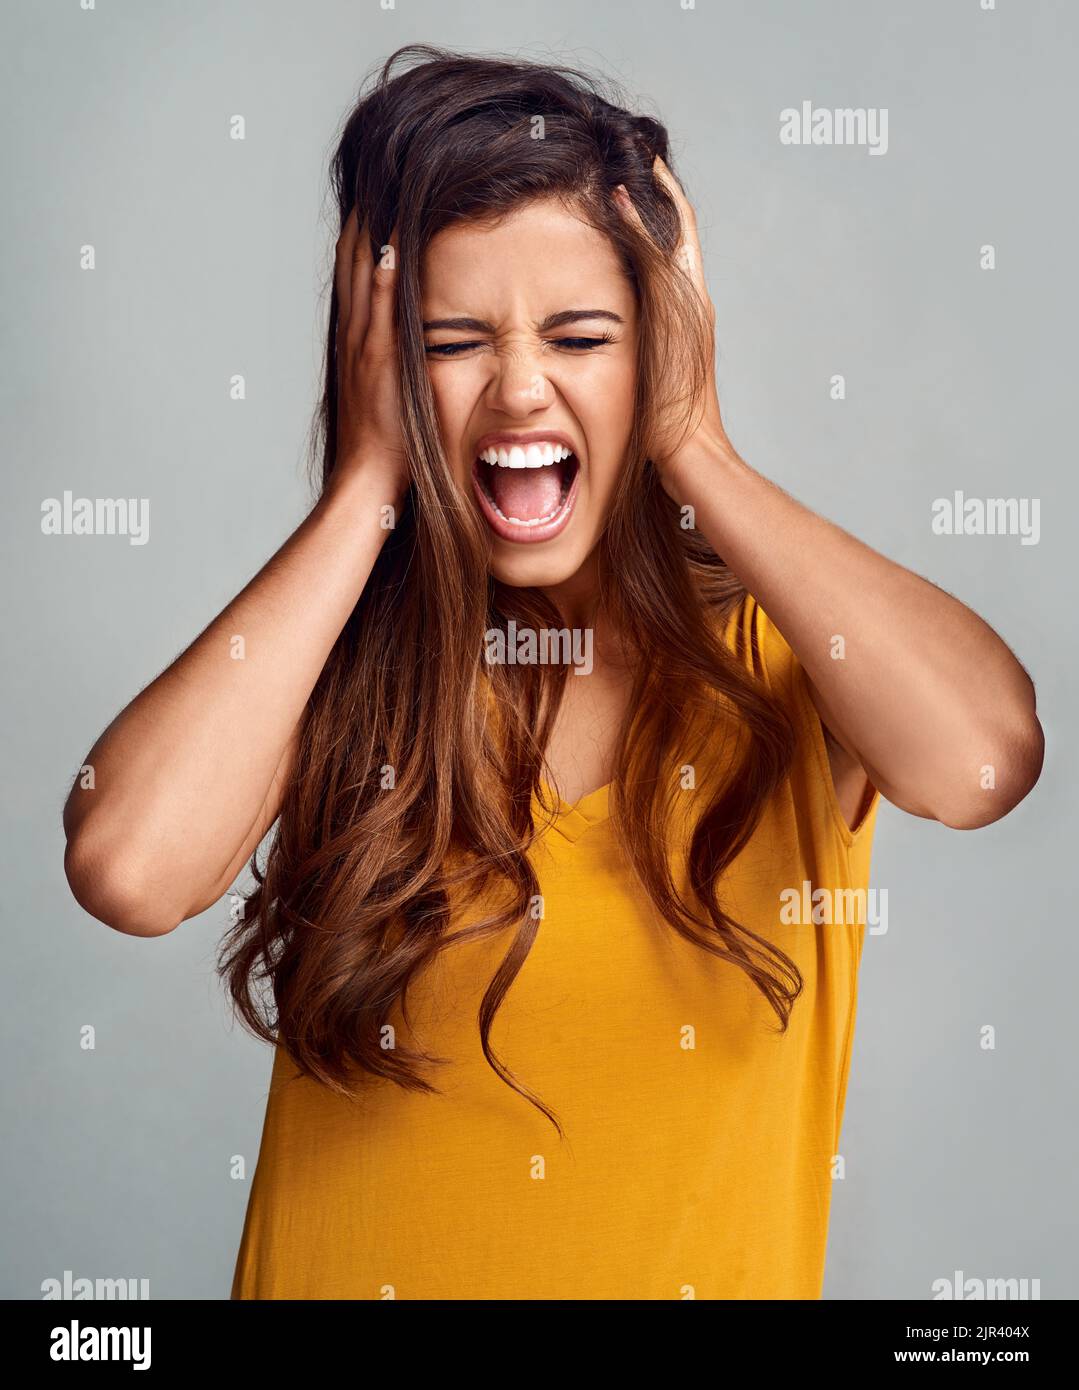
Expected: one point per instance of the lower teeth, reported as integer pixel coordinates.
(535, 521)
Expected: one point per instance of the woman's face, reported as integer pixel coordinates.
(531, 339)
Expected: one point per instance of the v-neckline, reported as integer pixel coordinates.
(572, 821)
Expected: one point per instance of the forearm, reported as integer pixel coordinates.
(908, 679)
(182, 774)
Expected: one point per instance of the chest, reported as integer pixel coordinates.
(584, 741)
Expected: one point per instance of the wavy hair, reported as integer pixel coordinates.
(361, 882)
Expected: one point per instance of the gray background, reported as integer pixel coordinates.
(212, 256)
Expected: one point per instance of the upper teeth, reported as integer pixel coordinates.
(537, 455)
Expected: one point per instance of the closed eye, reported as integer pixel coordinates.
(584, 343)
(566, 344)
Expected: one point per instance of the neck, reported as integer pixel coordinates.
(577, 600)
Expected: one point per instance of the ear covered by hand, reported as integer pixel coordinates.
(707, 433)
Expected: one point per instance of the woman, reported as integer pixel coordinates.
(547, 773)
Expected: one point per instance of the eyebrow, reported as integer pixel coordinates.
(559, 320)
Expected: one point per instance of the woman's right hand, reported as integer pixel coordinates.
(368, 421)
(190, 775)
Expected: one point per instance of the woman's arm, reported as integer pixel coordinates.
(908, 680)
(920, 691)
(189, 776)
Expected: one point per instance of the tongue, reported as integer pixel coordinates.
(526, 493)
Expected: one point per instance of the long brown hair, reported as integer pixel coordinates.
(355, 896)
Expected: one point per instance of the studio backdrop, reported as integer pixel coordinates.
(887, 209)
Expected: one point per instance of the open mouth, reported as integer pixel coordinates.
(527, 492)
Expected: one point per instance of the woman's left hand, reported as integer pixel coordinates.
(927, 696)
(706, 435)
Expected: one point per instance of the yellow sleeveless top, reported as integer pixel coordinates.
(700, 1141)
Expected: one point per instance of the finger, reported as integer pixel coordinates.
(689, 249)
(383, 283)
(671, 184)
(686, 214)
(689, 253)
(342, 264)
(688, 224)
(360, 287)
(625, 202)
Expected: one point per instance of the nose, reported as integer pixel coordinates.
(518, 384)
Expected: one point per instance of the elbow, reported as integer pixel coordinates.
(111, 887)
(1007, 769)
